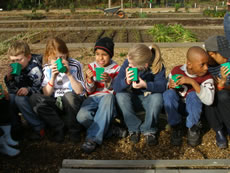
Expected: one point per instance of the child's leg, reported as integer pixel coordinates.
(194, 108)
(171, 105)
(45, 108)
(152, 104)
(72, 103)
(15, 119)
(25, 108)
(102, 118)
(124, 100)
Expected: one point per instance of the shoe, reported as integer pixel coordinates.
(75, 137)
(89, 146)
(135, 137)
(194, 137)
(221, 140)
(37, 135)
(58, 136)
(7, 135)
(119, 132)
(151, 139)
(176, 135)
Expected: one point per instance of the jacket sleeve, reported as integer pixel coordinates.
(207, 92)
(119, 84)
(158, 85)
(35, 76)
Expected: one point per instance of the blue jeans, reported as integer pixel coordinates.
(227, 26)
(95, 114)
(130, 103)
(21, 104)
(175, 108)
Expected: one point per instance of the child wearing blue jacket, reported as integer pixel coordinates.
(146, 93)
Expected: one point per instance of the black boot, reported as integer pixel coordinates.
(221, 140)
(176, 135)
(194, 137)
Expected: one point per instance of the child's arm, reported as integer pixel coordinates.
(186, 80)
(222, 81)
(78, 75)
(121, 82)
(90, 83)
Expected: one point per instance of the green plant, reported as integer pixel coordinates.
(34, 10)
(177, 7)
(171, 33)
(123, 54)
(47, 9)
(214, 13)
(143, 15)
(19, 6)
(34, 16)
(72, 8)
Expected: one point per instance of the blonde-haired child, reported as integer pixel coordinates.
(146, 93)
(63, 91)
(22, 85)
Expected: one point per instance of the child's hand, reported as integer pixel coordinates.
(224, 72)
(8, 74)
(89, 75)
(172, 84)
(55, 71)
(66, 64)
(6, 94)
(140, 84)
(128, 75)
(22, 92)
(105, 77)
(184, 80)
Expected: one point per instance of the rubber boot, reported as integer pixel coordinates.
(7, 135)
(6, 149)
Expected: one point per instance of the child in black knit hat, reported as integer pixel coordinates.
(97, 110)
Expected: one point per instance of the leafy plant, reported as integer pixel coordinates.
(143, 15)
(34, 16)
(122, 54)
(177, 7)
(72, 8)
(171, 33)
(214, 13)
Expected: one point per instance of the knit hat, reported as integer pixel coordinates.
(105, 44)
(218, 44)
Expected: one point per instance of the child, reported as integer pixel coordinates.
(23, 85)
(6, 141)
(196, 88)
(147, 92)
(97, 110)
(218, 113)
(63, 92)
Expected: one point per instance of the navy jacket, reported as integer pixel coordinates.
(156, 83)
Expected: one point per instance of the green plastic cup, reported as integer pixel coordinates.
(99, 72)
(16, 68)
(227, 64)
(61, 68)
(135, 73)
(174, 78)
(2, 92)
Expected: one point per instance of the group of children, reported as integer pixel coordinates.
(66, 102)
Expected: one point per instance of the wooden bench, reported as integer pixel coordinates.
(146, 166)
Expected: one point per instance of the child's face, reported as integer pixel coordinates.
(58, 55)
(102, 58)
(199, 66)
(217, 57)
(133, 64)
(21, 59)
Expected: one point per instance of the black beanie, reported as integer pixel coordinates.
(105, 44)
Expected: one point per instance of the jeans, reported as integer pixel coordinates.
(175, 108)
(95, 114)
(130, 103)
(48, 111)
(218, 113)
(21, 103)
(227, 26)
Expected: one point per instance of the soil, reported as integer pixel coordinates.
(46, 156)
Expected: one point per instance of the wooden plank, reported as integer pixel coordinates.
(204, 171)
(68, 170)
(147, 164)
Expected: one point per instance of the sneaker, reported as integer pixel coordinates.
(151, 139)
(75, 137)
(194, 138)
(221, 140)
(176, 135)
(58, 136)
(89, 146)
(37, 135)
(135, 137)
(119, 132)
